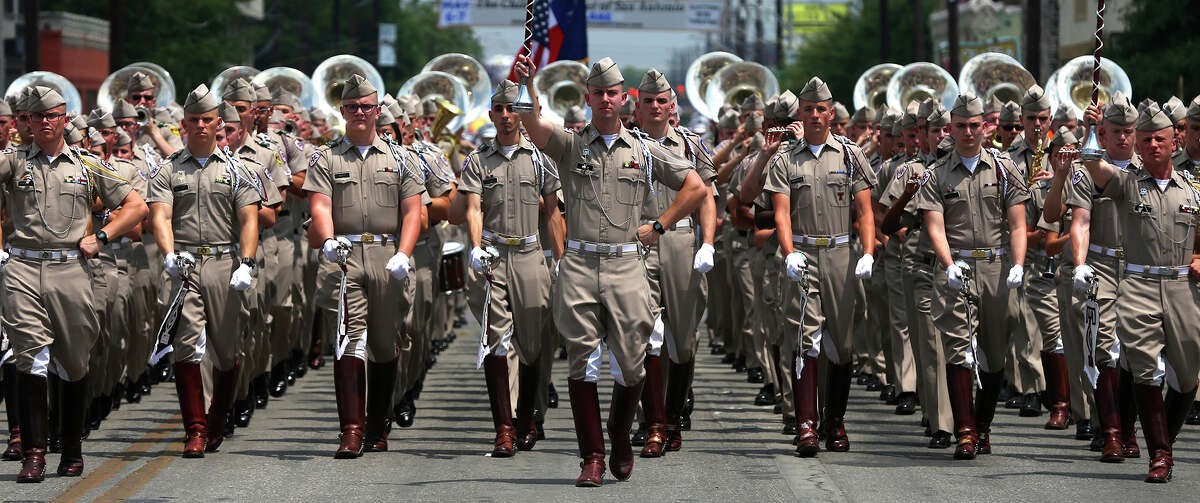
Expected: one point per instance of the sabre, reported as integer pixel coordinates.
(803, 284)
(524, 102)
(343, 322)
(489, 263)
(1092, 151)
(970, 299)
(5, 351)
(164, 342)
(1091, 327)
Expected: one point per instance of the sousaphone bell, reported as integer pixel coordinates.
(329, 76)
(561, 85)
(993, 74)
(53, 81)
(698, 76)
(870, 90)
(919, 82)
(737, 81)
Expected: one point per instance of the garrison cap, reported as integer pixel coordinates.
(411, 105)
(261, 93)
(72, 135)
(1193, 111)
(1035, 100)
(284, 97)
(385, 117)
(769, 112)
(228, 113)
(889, 120)
(276, 117)
(604, 73)
(753, 102)
(1152, 118)
(938, 118)
(318, 115)
(239, 90)
(839, 112)
(122, 138)
(100, 119)
(861, 115)
(968, 105)
(1120, 111)
(754, 121)
(575, 114)
(357, 87)
(200, 100)
(993, 105)
(21, 104)
(728, 121)
(880, 113)
(1065, 113)
(946, 144)
(164, 115)
(94, 136)
(43, 98)
(140, 82)
(654, 82)
(123, 110)
(927, 107)
(815, 90)
(394, 107)
(428, 106)
(506, 92)
(911, 114)
(1175, 109)
(79, 122)
(788, 104)
(1064, 136)
(1010, 112)
(4, 108)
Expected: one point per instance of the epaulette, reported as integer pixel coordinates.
(1014, 148)
(331, 143)
(264, 143)
(484, 147)
(174, 156)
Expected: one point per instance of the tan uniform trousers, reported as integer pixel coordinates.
(603, 299)
(550, 343)
(1108, 347)
(1024, 363)
(418, 323)
(874, 331)
(280, 276)
(779, 349)
(901, 365)
(50, 316)
(520, 301)
(921, 297)
(1160, 316)
(828, 317)
(742, 303)
(762, 324)
(679, 290)
(102, 279)
(213, 318)
(718, 315)
(994, 321)
(376, 303)
(144, 317)
(120, 322)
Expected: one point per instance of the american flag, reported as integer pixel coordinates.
(559, 32)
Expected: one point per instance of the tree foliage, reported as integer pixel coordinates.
(1158, 48)
(197, 39)
(842, 53)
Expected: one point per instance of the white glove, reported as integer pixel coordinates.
(172, 260)
(477, 256)
(796, 263)
(330, 248)
(1016, 276)
(1083, 277)
(704, 260)
(3, 259)
(863, 269)
(399, 265)
(954, 277)
(242, 277)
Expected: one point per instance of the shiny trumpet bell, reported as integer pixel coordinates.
(737, 81)
(921, 81)
(474, 76)
(699, 74)
(231, 74)
(441, 86)
(524, 102)
(53, 81)
(992, 74)
(446, 113)
(871, 88)
(560, 85)
(1074, 85)
(329, 76)
(116, 85)
(290, 80)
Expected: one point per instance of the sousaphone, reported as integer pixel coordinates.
(116, 86)
(474, 77)
(994, 74)
(53, 81)
(289, 79)
(329, 76)
(1073, 86)
(561, 85)
(737, 81)
(919, 82)
(440, 86)
(231, 74)
(870, 90)
(698, 76)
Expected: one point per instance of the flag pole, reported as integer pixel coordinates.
(524, 102)
(1092, 150)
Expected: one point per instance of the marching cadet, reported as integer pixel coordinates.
(1187, 158)
(818, 171)
(1159, 290)
(507, 186)
(626, 113)
(859, 127)
(365, 221)
(970, 196)
(202, 202)
(678, 289)
(602, 294)
(1010, 127)
(7, 121)
(841, 120)
(719, 312)
(1064, 117)
(143, 93)
(46, 257)
(740, 272)
(576, 119)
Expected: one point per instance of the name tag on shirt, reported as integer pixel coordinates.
(339, 176)
(78, 180)
(950, 194)
(179, 188)
(491, 180)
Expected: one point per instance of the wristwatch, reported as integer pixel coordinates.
(102, 237)
(250, 262)
(658, 227)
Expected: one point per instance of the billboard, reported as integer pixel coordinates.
(691, 15)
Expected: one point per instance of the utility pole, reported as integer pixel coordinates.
(952, 11)
(780, 59)
(1033, 38)
(758, 31)
(918, 30)
(885, 36)
(31, 9)
(116, 27)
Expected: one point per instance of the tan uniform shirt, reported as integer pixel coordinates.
(917, 245)
(685, 148)
(1184, 162)
(974, 205)
(366, 192)
(205, 199)
(510, 189)
(1081, 192)
(604, 187)
(821, 186)
(49, 201)
(1159, 226)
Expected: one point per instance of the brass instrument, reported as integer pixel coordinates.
(871, 88)
(560, 86)
(231, 74)
(737, 81)
(329, 76)
(475, 78)
(53, 81)
(440, 86)
(446, 113)
(700, 73)
(116, 86)
(993, 74)
(1073, 84)
(919, 82)
(143, 116)
(290, 80)
(1035, 165)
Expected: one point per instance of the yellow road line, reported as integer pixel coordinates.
(114, 465)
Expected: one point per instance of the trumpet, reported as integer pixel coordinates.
(143, 116)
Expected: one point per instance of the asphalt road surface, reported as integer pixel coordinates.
(734, 452)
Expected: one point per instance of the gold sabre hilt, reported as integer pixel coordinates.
(1093, 287)
(490, 256)
(184, 265)
(343, 254)
(967, 275)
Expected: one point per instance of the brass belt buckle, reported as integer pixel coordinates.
(367, 239)
(604, 249)
(204, 250)
(821, 241)
(46, 255)
(512, 241)
(1119, 253)
(979, 253)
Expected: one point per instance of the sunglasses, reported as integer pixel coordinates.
(127, 123)
(357, 108)
(39, 117)
(141, 97)
(1012, 127)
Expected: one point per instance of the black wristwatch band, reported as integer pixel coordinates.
(250, 262)
(658, 227)
(102, 237)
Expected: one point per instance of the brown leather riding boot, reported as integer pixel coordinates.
(653, 406)
(585, 409)
(621, 412)
(1177, 405)
(804, 400)
(838, 377)
(224, 387)
(525, 424)
(35, 420)
(189, 387)
(960, 382)
(13, 410)
(1110, 416)
(73, 401)
(985, 408)
(1154, 427)
(679, 380)
(495, 368)
(1058, 390)
(349, 386)
(1127, 405)
(381, 378)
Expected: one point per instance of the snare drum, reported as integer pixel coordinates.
(452, 272)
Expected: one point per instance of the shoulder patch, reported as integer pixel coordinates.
(1077, 177)
(312, 160)
(900, 172)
